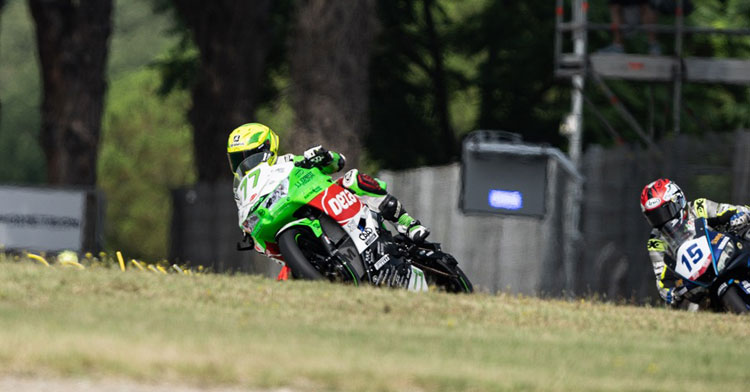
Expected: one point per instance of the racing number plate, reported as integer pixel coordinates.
(693, 258)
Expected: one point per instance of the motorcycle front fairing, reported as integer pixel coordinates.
(711, 258)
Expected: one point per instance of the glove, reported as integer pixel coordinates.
(317, 156)
(670, 297)
(738, 221)
(674, 295)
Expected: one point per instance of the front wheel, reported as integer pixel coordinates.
(308, 258)
(733, 301)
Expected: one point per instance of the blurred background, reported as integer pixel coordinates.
(133, 101)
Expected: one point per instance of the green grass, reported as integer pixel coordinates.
(253, 332)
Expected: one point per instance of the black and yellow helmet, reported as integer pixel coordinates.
(251, 139)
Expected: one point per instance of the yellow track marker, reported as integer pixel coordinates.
(153, 269)
(161, 269)
(137, 264)
(122, 262)
(37, 258)
(72, 263)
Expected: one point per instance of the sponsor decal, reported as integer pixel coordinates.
(723, 243)
(722, 288)
(717, 238)
(383, 260)
(338, 203)
(341, 201)
(35, 220)
(313, 191)
(368, 256)
(653, 203)
(303, 180)
(655, 245)
(700, 209)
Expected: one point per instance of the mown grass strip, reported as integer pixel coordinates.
(249, 331)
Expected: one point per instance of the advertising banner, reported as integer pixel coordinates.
(41, 219)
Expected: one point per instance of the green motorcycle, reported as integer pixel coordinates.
(303, 219)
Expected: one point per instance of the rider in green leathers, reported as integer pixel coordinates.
(254, 138)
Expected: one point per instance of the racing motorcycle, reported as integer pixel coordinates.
(715, 266)
(297, 215)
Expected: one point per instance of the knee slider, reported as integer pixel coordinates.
(391, 208)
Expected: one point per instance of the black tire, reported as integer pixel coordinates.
(460, 284)
(449, 279)
(294, 256)
(302, 251)
(734, 302)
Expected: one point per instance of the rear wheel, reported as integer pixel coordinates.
(446, 277)
(733, 301)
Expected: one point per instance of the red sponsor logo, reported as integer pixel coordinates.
(636, 66)
(338, 203)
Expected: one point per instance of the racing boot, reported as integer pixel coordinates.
(373, 192)
(393, 211)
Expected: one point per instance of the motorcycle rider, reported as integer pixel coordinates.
(669, 213)
(255, 138)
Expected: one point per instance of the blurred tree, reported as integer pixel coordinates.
(515, 77)
(139, 126)
(2, 4)
(72, 41)
(705, 107)
(233, 38)
(329, 69)
(411, 84)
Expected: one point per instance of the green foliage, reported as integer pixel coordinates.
(498, 69)
(706, 107)
(405, 125)
(179, 68)
(257, 334)
(22, 157)
(146, 149)
(139, 36)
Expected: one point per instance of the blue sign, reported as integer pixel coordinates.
(507, 200)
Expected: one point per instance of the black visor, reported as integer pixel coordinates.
(235, 158)
(658, 217)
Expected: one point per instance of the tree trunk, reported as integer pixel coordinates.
(72, 40)
(329, 61)
(233, 37)
(2, 4)
(439, 85)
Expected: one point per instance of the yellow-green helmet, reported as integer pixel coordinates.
(251, 139)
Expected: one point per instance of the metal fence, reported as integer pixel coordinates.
(510, 253)
(205, 231)
(514, 253)
(614, 261)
